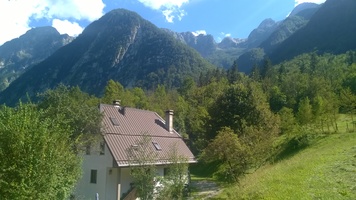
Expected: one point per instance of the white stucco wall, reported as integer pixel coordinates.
(107, 177)
(125, 180)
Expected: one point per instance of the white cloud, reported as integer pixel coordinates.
(297, 2)
(16, 15)
(168, 15)
(65, 26)
(225, 34)
(199, 32)
(75, 9)
(159, 4)
(171, 9)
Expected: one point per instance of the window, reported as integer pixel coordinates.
(102, 148)
(158, 148)
(114, 121)
(93, 175)
(134, 146)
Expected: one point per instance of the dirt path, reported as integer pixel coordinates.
(205, 189)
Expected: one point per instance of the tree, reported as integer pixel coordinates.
(239, 106)
(348, 102)
(78, 108)
(305, 112)
(231, 154)
(36, 153)
(187, 87)
(140, 99)
(141, 159)
(113, 91)
(233, 73)
(176, 178)
(266, 68)
(244, 109)
(277, 100)
(288, 121)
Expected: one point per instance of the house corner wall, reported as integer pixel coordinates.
(107, 177)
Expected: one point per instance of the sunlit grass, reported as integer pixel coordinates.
(324, 170)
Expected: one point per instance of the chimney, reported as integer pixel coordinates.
(169, 120)
(116, 103)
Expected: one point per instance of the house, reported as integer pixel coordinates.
(106, 166)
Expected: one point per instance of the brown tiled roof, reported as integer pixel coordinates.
(133, 125)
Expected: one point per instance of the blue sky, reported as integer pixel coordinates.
(235, 18)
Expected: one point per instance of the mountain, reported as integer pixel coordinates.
(285, 29)
(261, 33)
(298, 18)
(121, 46)
(229, 42)
(224, 53)
(204, 44)
(304, 8)
(18, 55)
(330, 30)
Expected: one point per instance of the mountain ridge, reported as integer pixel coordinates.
(19, 54)
(330, 30)
(121, 46)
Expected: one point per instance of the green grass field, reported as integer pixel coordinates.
(324, 170)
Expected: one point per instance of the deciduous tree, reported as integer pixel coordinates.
(36, 153)
(231, 154)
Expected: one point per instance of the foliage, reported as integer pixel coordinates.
(37, 161)
(348, 101)
(142, 159)
(244, 108)
(174, 183)
(305, 115)
(233, 155)
(78, 108)
(113, 90)
(143, 171)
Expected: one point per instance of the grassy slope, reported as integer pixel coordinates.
(325, 170)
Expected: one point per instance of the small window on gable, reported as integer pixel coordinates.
(157, 146)
(93, 175)
(134, 146)
(114, 121)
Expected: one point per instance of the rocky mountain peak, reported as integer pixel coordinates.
(261, 33)
(229, 42)
(267, 24)
(303, 6)
(19, 54)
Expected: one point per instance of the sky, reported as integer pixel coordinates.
(233, 18)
